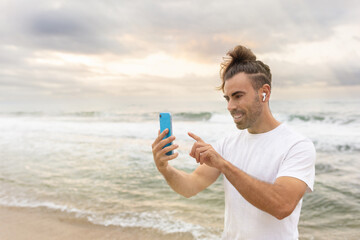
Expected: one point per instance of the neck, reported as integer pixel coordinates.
(265, 123)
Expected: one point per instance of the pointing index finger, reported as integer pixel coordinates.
(195, 137)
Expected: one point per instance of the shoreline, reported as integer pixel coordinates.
(21, 223)
(18, 223)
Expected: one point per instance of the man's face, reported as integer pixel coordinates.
(243, 101)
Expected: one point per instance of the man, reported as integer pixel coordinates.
(267, 167)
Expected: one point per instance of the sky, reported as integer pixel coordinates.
(92, 54)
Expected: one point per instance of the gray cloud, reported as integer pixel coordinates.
(58, 24)
(200, 30)
(347, 76)
(172, 25)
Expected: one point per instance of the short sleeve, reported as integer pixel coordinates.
(300, 163)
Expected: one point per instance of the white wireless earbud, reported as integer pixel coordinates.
(264, 96)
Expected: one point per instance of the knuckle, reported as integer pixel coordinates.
(162, 144)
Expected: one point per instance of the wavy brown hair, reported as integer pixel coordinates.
(241, 59)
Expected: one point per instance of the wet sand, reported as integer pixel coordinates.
(42, 224)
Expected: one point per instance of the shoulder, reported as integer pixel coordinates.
(286, 130)
(287, 141)
(292, 137)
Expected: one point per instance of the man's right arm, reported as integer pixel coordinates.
(181, 182)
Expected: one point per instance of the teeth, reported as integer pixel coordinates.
(237, 116)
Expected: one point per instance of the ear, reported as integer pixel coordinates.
(265, 92)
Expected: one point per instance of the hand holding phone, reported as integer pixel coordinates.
(166, 123)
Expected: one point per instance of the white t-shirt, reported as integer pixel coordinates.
(265, 156)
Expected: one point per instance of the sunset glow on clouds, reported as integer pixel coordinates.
(107, 50)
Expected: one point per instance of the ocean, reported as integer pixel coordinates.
(97, 166)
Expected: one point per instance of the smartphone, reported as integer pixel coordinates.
(166, 123)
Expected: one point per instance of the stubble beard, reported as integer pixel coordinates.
(250, 117)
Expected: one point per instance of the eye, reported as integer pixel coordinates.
(238, 96)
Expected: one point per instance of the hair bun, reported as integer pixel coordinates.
(242, 59)
(241, 54)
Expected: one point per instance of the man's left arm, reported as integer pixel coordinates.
(278, 199)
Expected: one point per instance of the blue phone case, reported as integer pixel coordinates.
(166, 123)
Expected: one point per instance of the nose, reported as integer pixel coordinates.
(231, 106)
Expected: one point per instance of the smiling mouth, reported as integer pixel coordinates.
(237, 116)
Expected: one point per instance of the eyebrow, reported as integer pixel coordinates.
(233, 94)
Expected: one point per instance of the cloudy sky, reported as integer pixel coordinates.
(60, 53)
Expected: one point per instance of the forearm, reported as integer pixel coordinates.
(265, 196)
(181, 182)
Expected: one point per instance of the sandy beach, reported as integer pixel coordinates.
(29, 223)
